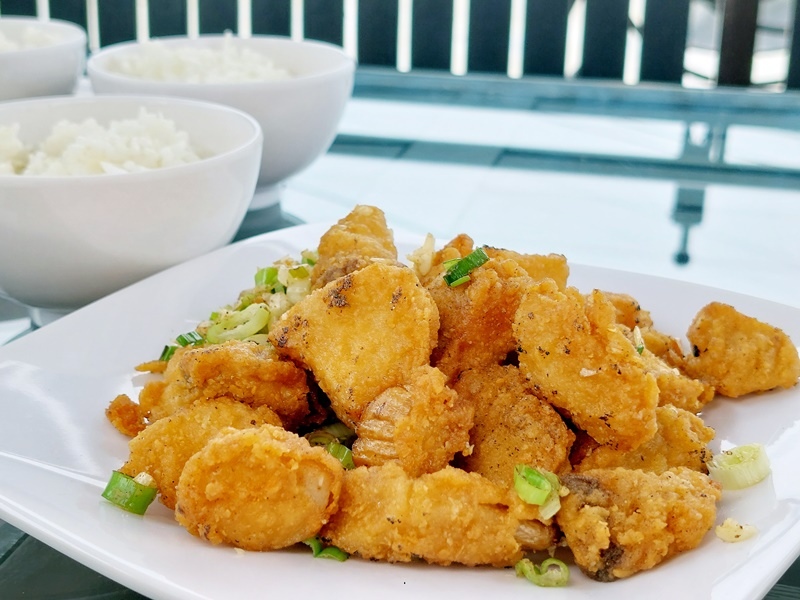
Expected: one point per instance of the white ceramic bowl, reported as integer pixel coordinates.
(66, 241)
(299, 116)
(48, 70)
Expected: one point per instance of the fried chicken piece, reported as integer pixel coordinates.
(538, 266)
(421, 424)
(681, 441)
(618, 522)
(476, 316)
(354, 242)
(258, 489)
(360, 335)
(579, 360)
(163, 448)
(739, 354)
(512, 426)
(243, 371)
(628, 311)
(445, 517)
(630, 314)
(125, 415)
(675, 388)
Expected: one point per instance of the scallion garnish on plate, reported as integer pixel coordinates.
(458, 273)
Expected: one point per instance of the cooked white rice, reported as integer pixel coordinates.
(147, 142)
(230, 63)
(32, 37)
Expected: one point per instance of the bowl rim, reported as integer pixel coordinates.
(255, 138)
(78, 36)
(346, 66)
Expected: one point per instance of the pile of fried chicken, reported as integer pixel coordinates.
(448, 388)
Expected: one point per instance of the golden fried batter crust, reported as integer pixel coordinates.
(360, 335)
(739, 354)
(125, 415)
(242, 371)
(258, 489)
(618, 522)
(476, 316)
(421, 424)
(354, 242)
(512, 426)
(681, 441)
(445, 517)
(578, 359)
(163, 448)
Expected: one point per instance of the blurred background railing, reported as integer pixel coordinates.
(696, 43)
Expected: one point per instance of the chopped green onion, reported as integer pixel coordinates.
(551, 573)
(458, 282)
(638, 340)
(309, 257)
(167, 353)
(739, 467)
(321, 438)
(299, 272)
(133, 494)
(334, 433)
(342, 453)
(266, 276)
(531, 485)
(333, 552)
(339, 430)
(449, 264)
(189, 338)
(239, 325)
(314, 544)
(320, 551)
(456, 273)
(214, 316)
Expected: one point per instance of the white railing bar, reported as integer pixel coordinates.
(350, 28)
(244, 18)
(573, 50)
(632, 65)
(459, 47)
(297, 21)
(405, 14)
(142, 20)
(93, 24)
(192, 18)
(516, 38)
(43, 9)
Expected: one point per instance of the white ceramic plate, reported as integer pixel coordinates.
(57, 451)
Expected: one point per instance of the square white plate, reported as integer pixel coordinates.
(57, 451)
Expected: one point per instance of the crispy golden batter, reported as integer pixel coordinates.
(360, 335)
(421, 424)
(512, 426)
(578, 359)
(353, 243)
(163, 448)
(538, 266)
(681, 441)
(476, 316)
(445, 517)
(738, 354)
(628, 311)
(618, 522)
(258, 489)
(242, 371)
(125, 415)
(630, 314)
(675, 388)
